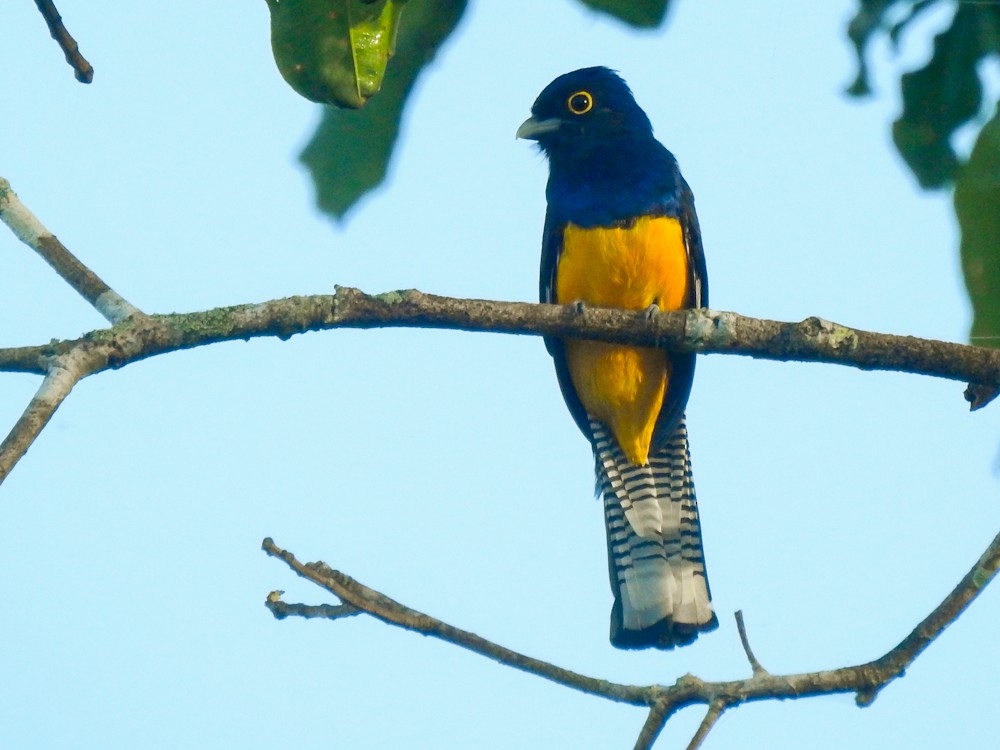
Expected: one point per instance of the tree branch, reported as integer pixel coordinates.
(715, 710)
(392, 612)
(63, 373)
(26, 226)
(702, 330)
(972, 584)
(138, 336)
(865, 680)
(741, 628)
(281, 609)
(656, 719)
(82, 69)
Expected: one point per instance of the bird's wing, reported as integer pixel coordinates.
(552, 242)
(682, 364)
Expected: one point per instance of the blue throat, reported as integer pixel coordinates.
(603, 183)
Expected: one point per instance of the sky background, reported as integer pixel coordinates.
(441, 468)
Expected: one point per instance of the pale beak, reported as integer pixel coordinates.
(532, 128)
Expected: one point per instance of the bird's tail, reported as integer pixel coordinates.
(655, 556)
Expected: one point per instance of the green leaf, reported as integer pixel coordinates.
(334, 51)
(349, 153)
(870, 19)
(977, 206)
(945, 94)
(641, 13)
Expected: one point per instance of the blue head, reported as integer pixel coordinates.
(583, 110)
(605, 165)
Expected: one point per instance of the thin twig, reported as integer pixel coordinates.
(382, 607)
(282, 609)
(895, 662)
(82, 69)
(864, 679)
(741, 628)
(26, 226)
(715, 710)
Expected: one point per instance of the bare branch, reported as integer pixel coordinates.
(714, 712)
(651, 728)
(30, 359)
(138, 336)
(971, 585)
(741, 628)
(83, 70)
(392, 612)
(866, 680)
(33, 233)
(282, 609)
(703, 330)
(63, 374)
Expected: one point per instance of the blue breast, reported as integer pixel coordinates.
(606, 185)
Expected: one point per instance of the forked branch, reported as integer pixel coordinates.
(865, 680)
(139, 336)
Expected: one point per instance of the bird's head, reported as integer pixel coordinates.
(583, 109)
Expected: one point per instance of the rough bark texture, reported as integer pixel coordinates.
(705, 331)
(865, 680)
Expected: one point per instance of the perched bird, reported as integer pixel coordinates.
(621, 231)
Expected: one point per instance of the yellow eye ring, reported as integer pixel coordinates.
(580, 103)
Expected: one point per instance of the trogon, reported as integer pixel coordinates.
(621, 231)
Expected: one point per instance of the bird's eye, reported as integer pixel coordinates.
(580, 103)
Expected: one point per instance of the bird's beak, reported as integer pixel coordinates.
(532, 128)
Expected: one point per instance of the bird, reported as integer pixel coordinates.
(621, 231)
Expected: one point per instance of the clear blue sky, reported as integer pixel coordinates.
(441, 468)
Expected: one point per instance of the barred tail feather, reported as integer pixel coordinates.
(655, 556)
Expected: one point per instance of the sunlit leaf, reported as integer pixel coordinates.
(334, 51)
(349, 153)
(977, 205)
(641, 13)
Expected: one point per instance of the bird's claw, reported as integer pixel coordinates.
(650, 312)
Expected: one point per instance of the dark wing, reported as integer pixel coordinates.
(696, 253)
(682, 365)
(552, 243)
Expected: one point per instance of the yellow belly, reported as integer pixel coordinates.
(633, 268)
